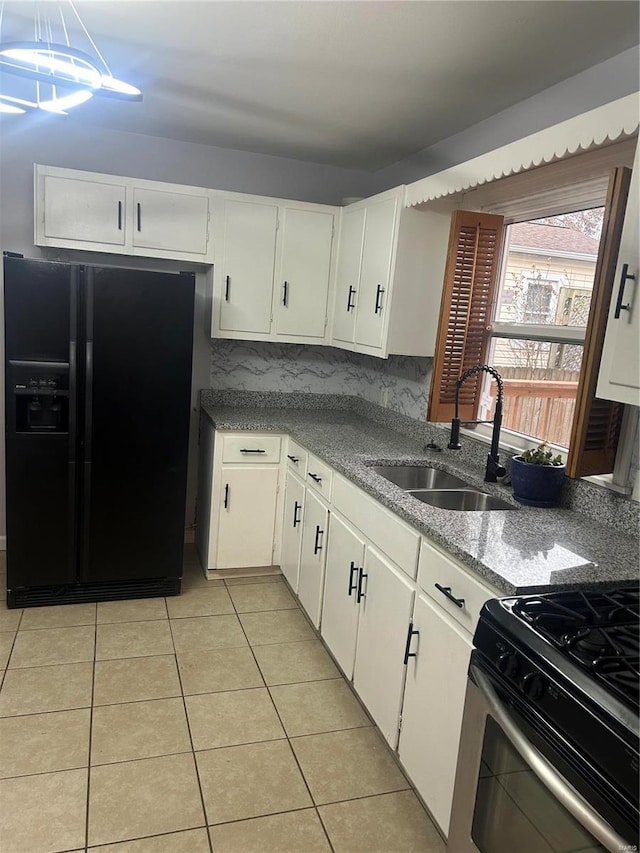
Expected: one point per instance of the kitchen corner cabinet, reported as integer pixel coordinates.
(389, 276)
(315, 528)
(619, 375)
(241, 473)
(292, 518)
(107, 213)
(273, 269)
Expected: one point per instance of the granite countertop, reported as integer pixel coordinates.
(524, 551)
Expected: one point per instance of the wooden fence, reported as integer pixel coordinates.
(540, 401)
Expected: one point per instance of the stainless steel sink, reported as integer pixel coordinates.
(418, 477)
(463, 500)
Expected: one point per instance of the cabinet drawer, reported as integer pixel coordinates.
(250, 447)
(319, 476)
(387, 532)
(434, 567)
(297, 458)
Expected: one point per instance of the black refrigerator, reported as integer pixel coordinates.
(97, 406)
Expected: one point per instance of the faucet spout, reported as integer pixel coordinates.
(494, 469)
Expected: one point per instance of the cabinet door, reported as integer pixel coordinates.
(433, 703)
(384, 618)
(373, 298)
(314, 538)
(247, 512)
(84, 211)
(245, 269)
(619, 376)
(306, 237)
(340, 609)
(348, 274)
(292, 529)
(173, 222)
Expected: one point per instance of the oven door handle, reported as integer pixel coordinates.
(565, 793)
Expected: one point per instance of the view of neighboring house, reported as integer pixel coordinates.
(547, 280)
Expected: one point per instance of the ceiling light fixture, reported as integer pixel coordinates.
(50, 63)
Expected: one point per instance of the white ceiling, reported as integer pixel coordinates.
(356, 84)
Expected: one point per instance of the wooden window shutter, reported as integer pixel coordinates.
(475, 243)
(596, 423)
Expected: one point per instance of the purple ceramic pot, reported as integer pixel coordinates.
(536, 485)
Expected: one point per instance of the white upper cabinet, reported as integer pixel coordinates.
(243, 272)
(302, 287)
(619, 376)
(126, 216)
(390, 272)
(272, 270)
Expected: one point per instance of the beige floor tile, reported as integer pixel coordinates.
(276, 626)
(53, 645)
(40, 743)
(289, 663)
(46, 688)
(318, 706)
(136, 610)
(9, 619)
(213, 670)
(348, 764)
(139, 730)
(267, 574)
(200, 601)
(391, 822)
(240, 716)
(207, 632)
(133, 639)
(293, 832)
(191, 841)
(147, 797)
(58, 616)
(45, 813)
(133, 679)
(251, 780)
(252, 598)
(192, 577)
(6, 644)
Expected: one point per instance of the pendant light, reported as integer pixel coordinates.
(54, 75)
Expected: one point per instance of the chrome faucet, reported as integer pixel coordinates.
(494, 468)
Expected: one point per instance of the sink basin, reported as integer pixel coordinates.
(459, 499)
(419, 477)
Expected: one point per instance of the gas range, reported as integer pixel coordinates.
(571, 660)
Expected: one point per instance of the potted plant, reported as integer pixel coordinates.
(537, 476)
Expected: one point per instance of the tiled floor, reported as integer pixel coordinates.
(213, 721)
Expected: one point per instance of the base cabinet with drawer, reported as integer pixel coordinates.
(241, 472)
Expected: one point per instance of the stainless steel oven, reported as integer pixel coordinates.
(540, 768)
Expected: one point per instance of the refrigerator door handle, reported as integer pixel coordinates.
(87, 426)
(73, 422)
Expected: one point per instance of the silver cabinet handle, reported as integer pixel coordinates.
(565, 793)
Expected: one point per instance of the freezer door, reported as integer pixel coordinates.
(40, 324)
(137, 381)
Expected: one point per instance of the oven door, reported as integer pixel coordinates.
(511, 791)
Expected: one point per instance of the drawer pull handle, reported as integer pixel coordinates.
(407, 653)
(227, 282)
(361, 594)
(226, 496)
(315, 477)
(446, 591)
(294, 459)
(296, 508)
(139, 217)
(623, 280)
(352, 583)
(379, 292)
(245, 450)
(316, 545)
(351, 304)
(119, 216)
(285, 287)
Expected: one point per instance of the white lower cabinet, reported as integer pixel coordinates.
(387, 601)
(340, 608)
(312, 555)
(292, 529)
(433, 703)
(247, 500)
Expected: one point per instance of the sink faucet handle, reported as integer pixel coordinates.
(454, 439)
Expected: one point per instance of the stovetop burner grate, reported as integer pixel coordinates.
(600, 631)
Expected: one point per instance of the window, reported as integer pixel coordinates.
(537, 311)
